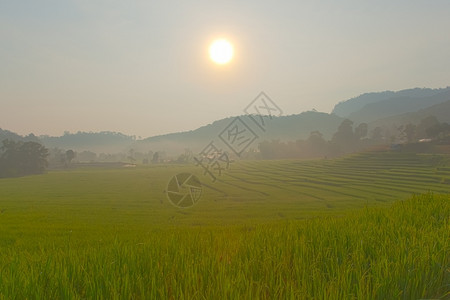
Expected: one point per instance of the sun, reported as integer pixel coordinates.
(221, 51)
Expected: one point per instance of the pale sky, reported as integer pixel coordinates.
(142, 67)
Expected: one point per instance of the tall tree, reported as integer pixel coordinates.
(408, 132)
(316, 144)
(70, 155)
(155, 158)
(22, 158)
(344, 133)
(344, 138)
(361, 131)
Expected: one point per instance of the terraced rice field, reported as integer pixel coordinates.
(323, 229)
(362, 179)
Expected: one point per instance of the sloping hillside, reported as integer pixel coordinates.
(347, 107)
(395, 106)
(284, 128)
(440, 111)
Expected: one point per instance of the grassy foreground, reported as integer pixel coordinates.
(396, 252)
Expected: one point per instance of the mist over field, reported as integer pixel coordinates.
(204, 150)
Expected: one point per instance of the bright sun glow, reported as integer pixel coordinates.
(221, 51)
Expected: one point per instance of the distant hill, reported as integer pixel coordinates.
(346, 108)
(386, 109)
(6, 134)
(440, 111)
(395, 106)
(284, 128)
(105, 141)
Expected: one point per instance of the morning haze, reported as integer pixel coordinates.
(142, 68)
(224, 149)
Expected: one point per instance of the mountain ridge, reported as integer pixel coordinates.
(346, 107)
(401, 110)
(395, 106)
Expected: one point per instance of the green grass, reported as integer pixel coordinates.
(330, 229)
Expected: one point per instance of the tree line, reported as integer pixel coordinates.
(27, 157)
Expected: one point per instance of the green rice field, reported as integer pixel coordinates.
(368, 226)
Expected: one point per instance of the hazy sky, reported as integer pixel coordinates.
(142, 67)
